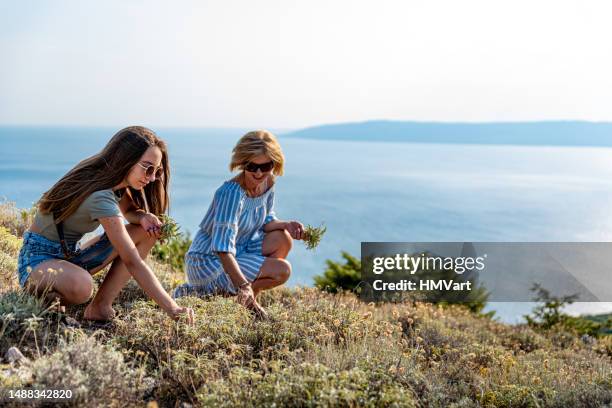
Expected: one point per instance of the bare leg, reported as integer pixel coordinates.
(59, 278)
(117, 277)
(275, 270)
(277, 244)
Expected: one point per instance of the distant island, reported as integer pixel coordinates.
(543, 133)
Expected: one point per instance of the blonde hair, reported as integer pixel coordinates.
(255, 143)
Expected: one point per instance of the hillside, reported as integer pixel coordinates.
(546, 133)
(317, 349)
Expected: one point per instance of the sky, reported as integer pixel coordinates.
(291, 64)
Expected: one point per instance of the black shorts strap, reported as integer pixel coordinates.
(60, 232)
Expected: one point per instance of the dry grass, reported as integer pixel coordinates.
(317, 349)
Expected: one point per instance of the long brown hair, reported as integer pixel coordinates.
(107, 169)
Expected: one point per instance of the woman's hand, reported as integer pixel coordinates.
(295, 229)
(178, 311)
(151, 224)
(246, 298)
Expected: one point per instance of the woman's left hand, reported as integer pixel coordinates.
(151, 224)
(295, 229)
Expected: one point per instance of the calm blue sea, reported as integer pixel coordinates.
(363, 191)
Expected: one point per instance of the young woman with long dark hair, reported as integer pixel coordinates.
(127, 179)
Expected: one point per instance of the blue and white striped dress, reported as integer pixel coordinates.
(233, 223)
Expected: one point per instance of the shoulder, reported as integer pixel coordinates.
(230, 190)
(102, 196)
(102, 203)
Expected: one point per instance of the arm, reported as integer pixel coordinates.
(228, 205)
(130, 212)
(245, 295)
(272, 223)
(230, 266)
(275, 225)
(123, 244)
(134, 215)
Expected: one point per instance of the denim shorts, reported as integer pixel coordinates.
(37, 249)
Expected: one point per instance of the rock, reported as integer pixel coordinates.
(14, 356)
(588, 340)
(71, 322)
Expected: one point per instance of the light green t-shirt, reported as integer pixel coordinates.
(100, 204)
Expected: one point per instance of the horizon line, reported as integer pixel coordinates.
(289, 129)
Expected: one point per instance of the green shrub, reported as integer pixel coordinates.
(9, 250)
(516, 396)
(549, 315)
(172, 251)
(27, 323)
(305, 385)
(96, 374)
(347, 276)
(16, 220)
(340, 276)
(525, 339)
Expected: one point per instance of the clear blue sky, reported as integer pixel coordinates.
(288, 64)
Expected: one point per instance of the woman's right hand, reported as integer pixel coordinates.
(177, 312)
(151, 224)
(246, 298)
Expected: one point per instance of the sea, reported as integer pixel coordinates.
(363, 190)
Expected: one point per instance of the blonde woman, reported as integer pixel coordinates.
(240, 247)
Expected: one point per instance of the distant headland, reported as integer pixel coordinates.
(541, 133)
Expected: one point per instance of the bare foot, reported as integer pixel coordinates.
(98, 313)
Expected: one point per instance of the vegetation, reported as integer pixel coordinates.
(316, 349)
(313, 236)
(338, 276)
(348, 276)
(549, 315)
(173, 244)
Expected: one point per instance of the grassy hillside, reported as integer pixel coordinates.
(317, 349)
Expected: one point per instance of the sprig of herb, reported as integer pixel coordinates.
(170, 229)
(313, 236)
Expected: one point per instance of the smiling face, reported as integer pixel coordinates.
(137, 177)
(255, 179)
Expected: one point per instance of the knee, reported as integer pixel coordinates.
(282, 244)
(143, 241)
(283, 270)
(140, 237)
(146, 239)
(80, 290)
(148, 242)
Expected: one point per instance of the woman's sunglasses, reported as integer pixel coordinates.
(151, 169)
(264, 167)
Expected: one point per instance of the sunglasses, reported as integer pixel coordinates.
(151, 169)
(264, 167)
